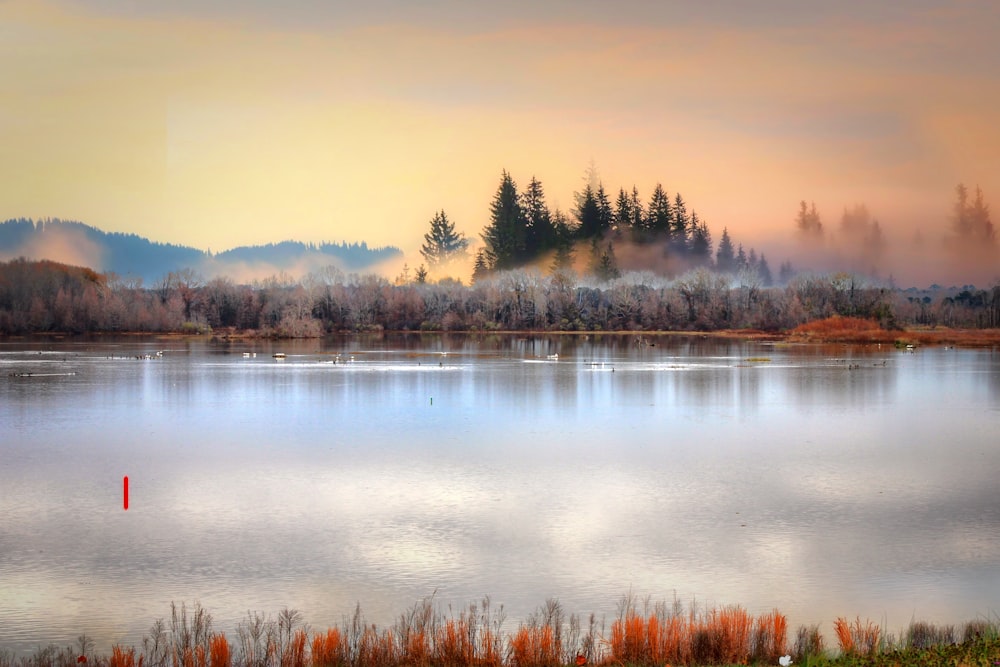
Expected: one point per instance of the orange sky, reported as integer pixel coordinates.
(247, 124)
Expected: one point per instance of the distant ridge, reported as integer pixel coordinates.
(134, 256)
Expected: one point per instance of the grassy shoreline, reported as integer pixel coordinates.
(834, 329)
(643, 635)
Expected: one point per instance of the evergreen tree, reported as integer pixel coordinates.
(442, 243)
(808, 222)
(764, 271)
(701, 240)
(564, 242)
(725, 257)
(623, 212)
(540, 232)
(588, 214)
(741, 258)
(606, 217)
(979, 221)
(506, 235)
(603, 262)
(786, 272)
(638, 222)
(421, 274)
(660, 215)
(679, 226)
(481, 267)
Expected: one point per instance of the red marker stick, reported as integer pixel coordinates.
(126, 491)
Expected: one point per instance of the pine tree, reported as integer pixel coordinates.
(623, 212)
(540, 232)
(638, 222)
(481, 267)
(506, 235)
(725, 258)
(785, 272)
(680, 224)
(442, 243)
(979, 218)
(660, 214)
(701, 240)
(588, 214)
(808, 222)
(564, 242)
(603, 262)
(764, 271)
(605, 217)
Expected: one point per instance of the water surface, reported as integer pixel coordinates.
(822, 480)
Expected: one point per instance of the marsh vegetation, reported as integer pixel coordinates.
(642, 634)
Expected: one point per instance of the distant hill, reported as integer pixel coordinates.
(131, 255)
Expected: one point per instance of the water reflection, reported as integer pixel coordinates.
(823, 481)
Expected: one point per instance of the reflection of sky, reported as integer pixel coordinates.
(798, 482)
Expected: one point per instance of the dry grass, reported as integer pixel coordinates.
(534, 646)
(426, 636)
(857, 638)
(729, 635)
(843, 330)
(219, 652)
(838, 329)
(329, 649)
(122, 657)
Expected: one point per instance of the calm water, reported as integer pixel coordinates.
(465, 466)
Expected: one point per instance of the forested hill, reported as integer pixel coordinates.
(131, 255)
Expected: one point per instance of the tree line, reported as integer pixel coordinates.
(523, 231)
(49, 297)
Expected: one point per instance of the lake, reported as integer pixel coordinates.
(822, 480)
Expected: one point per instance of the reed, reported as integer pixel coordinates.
(808, 643)
(857, 638)
(534, 646)
(219, 652)
(770, 637)
(640, 636)
(329, 649)
(294, 654)
(122, 656)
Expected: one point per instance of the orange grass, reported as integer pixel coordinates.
(329, 649)
(122, 657)
(719, 636)
(534, 646)
(844, 329)
(452, 647)
(844, 637)
(770, 637)
(219, 654)
(857, 638)
(295, 652)
(375, 648)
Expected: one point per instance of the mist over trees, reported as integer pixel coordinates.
(442, 244)
(132, 255)
(602, 239)
(965, 242)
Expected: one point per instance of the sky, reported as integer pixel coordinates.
(230, 123)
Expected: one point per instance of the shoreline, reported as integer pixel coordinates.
(805, 334)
